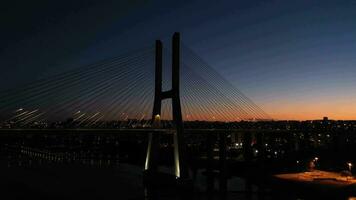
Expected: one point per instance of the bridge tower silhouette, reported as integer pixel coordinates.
(180, 170)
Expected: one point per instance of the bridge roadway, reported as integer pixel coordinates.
(135, 131)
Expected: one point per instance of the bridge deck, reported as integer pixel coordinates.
(127, 131)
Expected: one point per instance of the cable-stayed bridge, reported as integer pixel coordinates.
(122, 88)
(147, 105)
(134, 90)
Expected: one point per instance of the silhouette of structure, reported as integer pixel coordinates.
(125, 89)
(173, 93)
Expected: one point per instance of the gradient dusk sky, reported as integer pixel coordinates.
(295, 59)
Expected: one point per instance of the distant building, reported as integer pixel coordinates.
(325, 121)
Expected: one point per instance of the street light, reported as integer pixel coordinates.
(350, 166)
(157, 121)
(313, 163)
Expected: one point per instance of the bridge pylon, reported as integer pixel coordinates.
(181, 170)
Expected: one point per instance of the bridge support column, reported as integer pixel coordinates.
(222, 162)
(181, 170)
(260, 146)
(210, 162)
(247, 149)
(153, 142)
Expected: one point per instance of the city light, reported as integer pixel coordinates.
(350, 166)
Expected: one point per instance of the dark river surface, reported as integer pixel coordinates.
(29, 179)
(97, 180)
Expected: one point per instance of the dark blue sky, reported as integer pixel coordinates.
(296, 59)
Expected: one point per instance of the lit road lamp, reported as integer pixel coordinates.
(312, 163)
(298, 165)
(157, 121)
(316, 160)
(350, 166)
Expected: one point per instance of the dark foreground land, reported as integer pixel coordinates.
(83, 182)
(125, 182)
(61, 165)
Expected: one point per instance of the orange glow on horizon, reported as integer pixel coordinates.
(312, 110)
